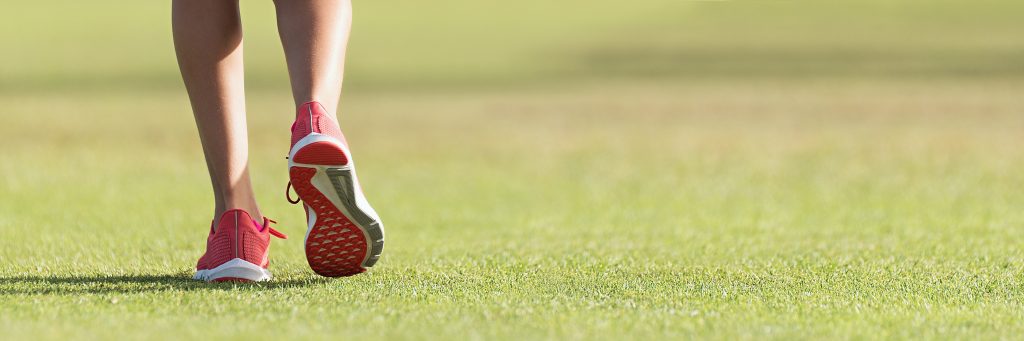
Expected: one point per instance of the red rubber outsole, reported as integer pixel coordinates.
(335, 246)
(321, 153)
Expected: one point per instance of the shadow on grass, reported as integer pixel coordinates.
(99, 284)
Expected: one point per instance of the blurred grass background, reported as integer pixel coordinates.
(412, 44)
(546, 170)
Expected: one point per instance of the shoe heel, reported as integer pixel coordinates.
(324, 153)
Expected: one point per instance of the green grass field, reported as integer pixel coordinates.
(712, 170)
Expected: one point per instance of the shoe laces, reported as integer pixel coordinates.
(273, 232)
(288, 194)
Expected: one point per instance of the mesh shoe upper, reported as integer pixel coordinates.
(237, 235)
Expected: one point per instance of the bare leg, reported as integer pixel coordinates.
(208, 42)
(314, 34)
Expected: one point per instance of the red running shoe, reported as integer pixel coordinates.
(237, 249)
(344, 236)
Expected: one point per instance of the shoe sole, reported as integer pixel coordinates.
(344, 235)
(236, 269)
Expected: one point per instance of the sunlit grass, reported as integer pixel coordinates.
(650, 211)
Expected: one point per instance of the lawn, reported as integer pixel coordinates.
(587, 197)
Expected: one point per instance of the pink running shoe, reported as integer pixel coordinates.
(237, 250)
(344, 236)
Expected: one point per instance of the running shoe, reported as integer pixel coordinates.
(344, 234)
(237, 249)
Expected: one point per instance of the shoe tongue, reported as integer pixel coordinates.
(259, 226)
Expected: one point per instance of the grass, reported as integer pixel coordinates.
(587, 205)
(713, 210)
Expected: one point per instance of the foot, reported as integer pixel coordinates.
(237, 249)
(344, 236)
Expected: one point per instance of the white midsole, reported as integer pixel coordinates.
(235, 268)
